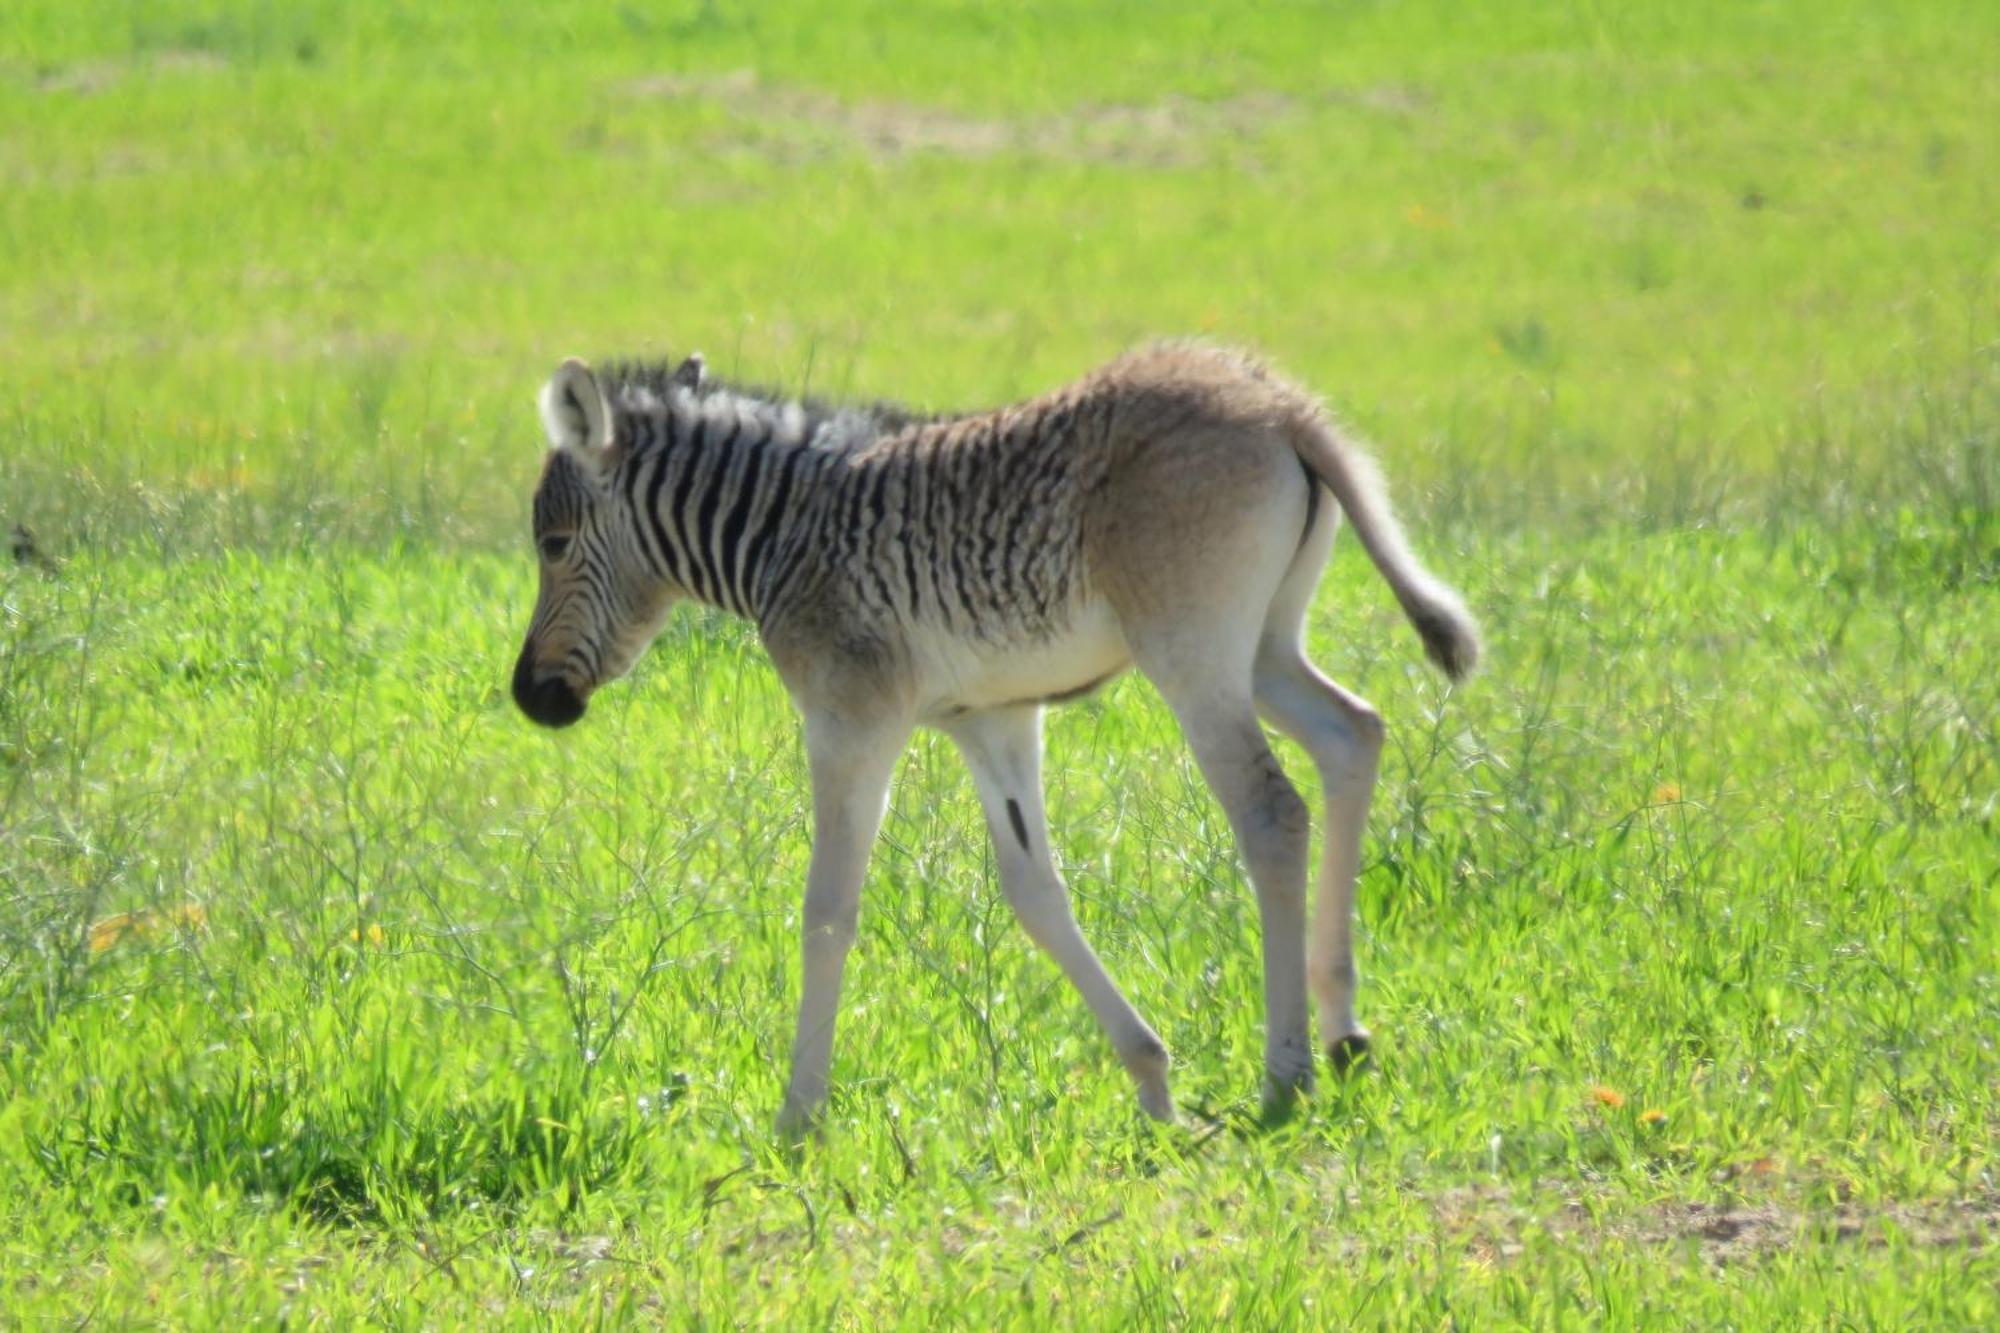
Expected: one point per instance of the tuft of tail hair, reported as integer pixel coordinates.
(1450, 634)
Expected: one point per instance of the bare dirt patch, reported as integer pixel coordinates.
(95, 76)
(1497, 1223)
(1172, 131)
(1729, 1234)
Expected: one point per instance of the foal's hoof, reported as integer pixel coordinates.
(1149, 1064)
(1349, 1053)
(1283, 1097)
(797, 1124)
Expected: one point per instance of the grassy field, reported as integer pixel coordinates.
(332, 990)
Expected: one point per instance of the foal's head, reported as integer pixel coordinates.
(600, 601)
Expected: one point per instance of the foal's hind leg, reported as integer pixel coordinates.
(1206, 682)
(1199, 541)
(1344, 737)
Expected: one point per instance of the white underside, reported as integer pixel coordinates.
(956, 677)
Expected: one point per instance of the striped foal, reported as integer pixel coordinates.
(961, 572)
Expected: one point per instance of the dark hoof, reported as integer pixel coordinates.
(1348, 1054)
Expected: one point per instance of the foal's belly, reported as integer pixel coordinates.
(963, 677)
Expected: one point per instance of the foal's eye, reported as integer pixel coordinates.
(553, 546)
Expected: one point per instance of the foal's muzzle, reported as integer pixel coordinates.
(550, 700)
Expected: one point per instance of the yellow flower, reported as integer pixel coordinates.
(370, 934)
(1666, 793)
(105, 933)
(1652, 1115)
(112, 930)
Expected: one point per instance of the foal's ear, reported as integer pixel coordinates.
(575, 412)
(689, 373)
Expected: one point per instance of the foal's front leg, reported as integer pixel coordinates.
(851, 766)
(1003, 747)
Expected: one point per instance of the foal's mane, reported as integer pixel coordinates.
(662, 377)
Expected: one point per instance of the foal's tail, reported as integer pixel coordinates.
(1451, 636)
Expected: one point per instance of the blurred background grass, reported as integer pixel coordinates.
(1641, 261)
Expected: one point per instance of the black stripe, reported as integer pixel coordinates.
(649, 546)
(847, 529)
(870, 534)
(963, 497)
(669, 525)
(1000, 488)
(856, 482)
(1020, 825)
(704, 524)
(772, 519)
(657, 523)
(1051, 476)
(732, 526)
(556, 498)
(1000, 491)
(937, 483)
(681, 492)
(877, 511)
(1011, 544)
(943, 519)
(964, 589)
(596, 577)
(908, 539)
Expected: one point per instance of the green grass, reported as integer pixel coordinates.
(1677, 327)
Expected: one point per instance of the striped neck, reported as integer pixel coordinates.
(715, 481)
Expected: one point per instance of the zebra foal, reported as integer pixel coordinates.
(961, 572)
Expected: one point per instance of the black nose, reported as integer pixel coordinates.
(549, 701)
